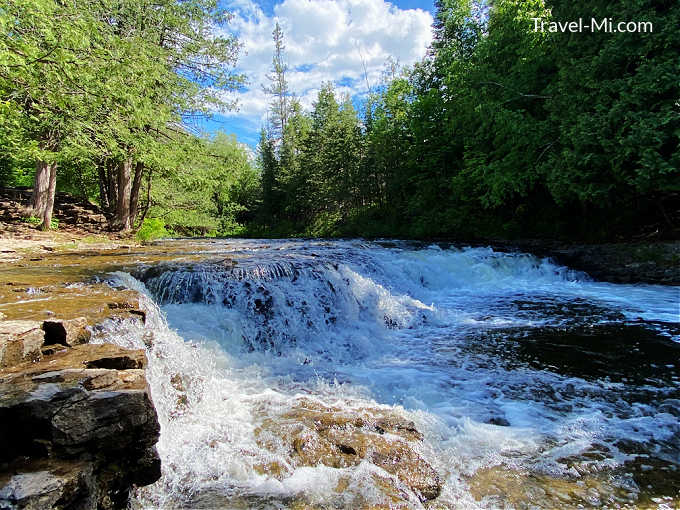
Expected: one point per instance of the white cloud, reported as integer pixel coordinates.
(326, 40)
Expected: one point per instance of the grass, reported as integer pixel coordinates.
(35, 221)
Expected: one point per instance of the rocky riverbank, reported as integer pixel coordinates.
(656, 262)
(78, 425)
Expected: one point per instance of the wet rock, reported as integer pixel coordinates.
(87, 404)
(67, 332)
(313, 434)
(49, 350)
(499, 420)
(129, 307)
(148, 338)
(504, 487)
(104, 356)
(671, 406)
(632, 262)
(49, 484)
(20, 341)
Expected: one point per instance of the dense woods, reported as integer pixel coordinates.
(500, 131)
(96, 97)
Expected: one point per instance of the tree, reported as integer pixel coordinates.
(331, 155)
(615, 106)
(269, 170)
(290, 175)
(48, 85)
(211, 190)
(280, 107)
(111, 82)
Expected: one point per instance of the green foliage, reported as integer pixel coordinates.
(217, 194)
(152, 228)
(88, 84)
(501, 131)
(32, 220)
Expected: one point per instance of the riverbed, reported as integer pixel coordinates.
(533, 385)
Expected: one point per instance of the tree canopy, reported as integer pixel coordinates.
(105, 86)
(502, 131)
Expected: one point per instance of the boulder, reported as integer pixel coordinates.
(87, 404)
(49, 484)
(66, 332)
(20, 341)
(313, 434)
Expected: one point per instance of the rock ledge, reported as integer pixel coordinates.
(78, 426)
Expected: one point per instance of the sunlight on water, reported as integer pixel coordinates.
(518, 372)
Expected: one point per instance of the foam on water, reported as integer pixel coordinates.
(357, 324)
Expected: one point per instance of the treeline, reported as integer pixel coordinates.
(95, 96)
(500, 131)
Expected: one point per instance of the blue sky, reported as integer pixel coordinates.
(326, 40)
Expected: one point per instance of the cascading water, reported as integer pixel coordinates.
(510, 365)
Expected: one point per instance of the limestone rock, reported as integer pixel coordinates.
(67, 332)
(107, 356)
(314, 434)
(130, 306)
(90, 394)
(20, 341)
(48, 484)
(90, 403)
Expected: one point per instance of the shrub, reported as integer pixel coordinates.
(33, 220)
(152, 228)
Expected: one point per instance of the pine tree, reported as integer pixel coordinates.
(269, 168)
(281, 103)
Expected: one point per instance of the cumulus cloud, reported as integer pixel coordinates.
(347, 42)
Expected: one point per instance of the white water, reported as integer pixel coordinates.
(422, 331)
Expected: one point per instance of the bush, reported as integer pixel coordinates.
(152, 228)
(33, 220)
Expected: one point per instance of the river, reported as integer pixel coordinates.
(533, 386)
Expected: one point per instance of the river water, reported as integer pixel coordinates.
(534, 386)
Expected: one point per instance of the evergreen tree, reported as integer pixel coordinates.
(106, 84)
(269, 169)
(280, 107)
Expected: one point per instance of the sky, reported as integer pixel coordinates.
(326, 40)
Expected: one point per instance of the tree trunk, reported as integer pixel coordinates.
(112, 187)
(123, 200)
(103, 188)
(148, 196)
(46, 215)
(40, 188)
(134, 194)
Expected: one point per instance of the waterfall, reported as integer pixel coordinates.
(469, 344)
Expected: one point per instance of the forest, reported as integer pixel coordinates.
(501, 131)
